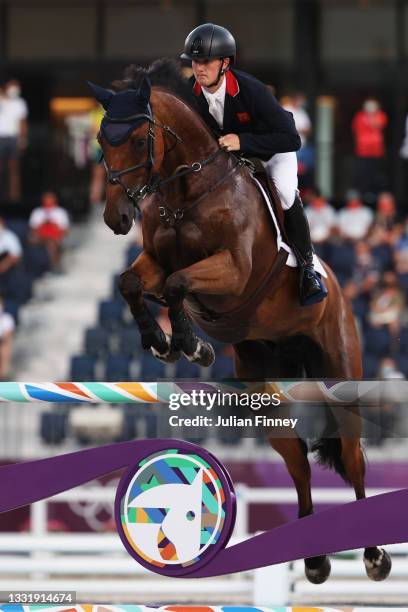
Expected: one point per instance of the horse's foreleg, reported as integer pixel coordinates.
(217, 274)
(146, 275)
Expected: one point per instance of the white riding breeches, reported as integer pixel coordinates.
(282, 168)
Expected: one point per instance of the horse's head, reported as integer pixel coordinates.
(132, 150)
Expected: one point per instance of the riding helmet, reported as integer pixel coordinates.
(209, 41)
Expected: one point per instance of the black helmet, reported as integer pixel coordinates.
(209, 41)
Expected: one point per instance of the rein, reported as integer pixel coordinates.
(167, 215)
(170, 217)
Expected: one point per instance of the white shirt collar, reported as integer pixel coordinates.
(218, 95)
(216, 102)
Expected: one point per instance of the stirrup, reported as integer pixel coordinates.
(318, 295)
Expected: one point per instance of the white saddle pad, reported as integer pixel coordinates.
(291, 260)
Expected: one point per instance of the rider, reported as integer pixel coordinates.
(250, 120)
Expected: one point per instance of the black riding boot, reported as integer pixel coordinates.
(312, 289)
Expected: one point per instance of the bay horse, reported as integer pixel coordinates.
(210, 254)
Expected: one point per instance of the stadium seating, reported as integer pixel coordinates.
(342, 260)
(377, 341)
(36, 260)
(152, 369)
(53, 428)
(96, 342)
(83, 368)
(186, 369)
(131, 254)
(129, 343)
(117, 368)
(111, 314)
(370, 365)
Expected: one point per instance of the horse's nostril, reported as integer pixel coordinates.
(125, 219)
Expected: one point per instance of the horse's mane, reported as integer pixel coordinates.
(165, 73)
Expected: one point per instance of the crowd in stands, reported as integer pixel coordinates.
(368, 251)
(28, 249)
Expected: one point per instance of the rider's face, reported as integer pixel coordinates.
(206, 71)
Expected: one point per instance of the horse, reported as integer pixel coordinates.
(210, 255)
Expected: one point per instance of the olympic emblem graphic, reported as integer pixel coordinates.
(175, 510)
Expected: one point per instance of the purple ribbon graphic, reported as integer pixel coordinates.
(374, 521)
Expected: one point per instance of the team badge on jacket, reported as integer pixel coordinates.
(244, 117)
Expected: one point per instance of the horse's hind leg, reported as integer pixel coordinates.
(341, 350)
(261, 360)
(294, 453)
(376, 560)
(145, 275)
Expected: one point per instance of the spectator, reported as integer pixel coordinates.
(296, 105)
(7, 327)
(10, 255)
(401, 258)
(355, 219)
(98, 176)
(13, 135)
(389, 369)
(322, 218)
(404, 146)
(404, 156)
(387, 304)
(49, 224)
(368, 127)
(386, 211)
(367, 270)
(365, 277)
(10, 248)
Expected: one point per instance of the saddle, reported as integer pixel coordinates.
(258, 172)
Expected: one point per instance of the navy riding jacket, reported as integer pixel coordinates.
(252, 112)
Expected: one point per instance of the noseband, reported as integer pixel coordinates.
(114, 177)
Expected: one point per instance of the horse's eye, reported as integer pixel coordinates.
(140, 143)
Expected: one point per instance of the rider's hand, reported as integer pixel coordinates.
(230, 142)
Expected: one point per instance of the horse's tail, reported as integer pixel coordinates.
(328, 449)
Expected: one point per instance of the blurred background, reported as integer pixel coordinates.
(339, 66)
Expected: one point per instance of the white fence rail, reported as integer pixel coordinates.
(97, 565)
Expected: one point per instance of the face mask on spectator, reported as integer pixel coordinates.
(371, 106)
(13, 91)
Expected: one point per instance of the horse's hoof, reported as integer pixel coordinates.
(204, 354)
(168, 356)
(378, 569)
(319, 574)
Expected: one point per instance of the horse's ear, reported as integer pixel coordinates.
(102, 95)
(144, 91)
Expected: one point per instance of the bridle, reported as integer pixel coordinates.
(154, 182)
(114, 177)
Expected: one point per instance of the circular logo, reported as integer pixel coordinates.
(175, 510)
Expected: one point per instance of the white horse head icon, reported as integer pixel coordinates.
(181, 525)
